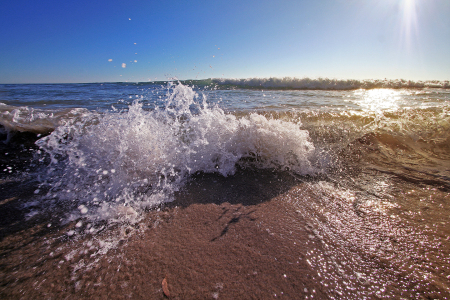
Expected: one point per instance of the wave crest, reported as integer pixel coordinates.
(325, 83)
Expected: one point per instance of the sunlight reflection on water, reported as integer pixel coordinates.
(379, 99)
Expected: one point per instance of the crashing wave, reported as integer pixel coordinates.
(325, 83)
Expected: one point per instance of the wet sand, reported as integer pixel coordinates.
(204, 250)
(254, 235)
(253, 246)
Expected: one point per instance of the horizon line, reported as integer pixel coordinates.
(218, 79)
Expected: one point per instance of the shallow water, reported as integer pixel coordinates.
(355, 182)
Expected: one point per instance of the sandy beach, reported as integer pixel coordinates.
(222, 238)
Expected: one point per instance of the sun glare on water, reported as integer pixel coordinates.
(378, 99)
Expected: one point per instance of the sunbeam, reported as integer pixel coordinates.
(409, 23)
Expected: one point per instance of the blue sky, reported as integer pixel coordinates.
(50, 41)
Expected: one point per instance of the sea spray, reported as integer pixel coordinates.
(114, 165)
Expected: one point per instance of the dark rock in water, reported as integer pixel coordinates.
(17, 151)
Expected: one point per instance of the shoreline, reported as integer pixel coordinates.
(240, 237)
(207, 250)
(375, 225)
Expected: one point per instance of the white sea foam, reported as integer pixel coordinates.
(113, 165)
(327, 83)
(27, 119)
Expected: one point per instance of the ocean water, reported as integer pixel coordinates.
(369, 163)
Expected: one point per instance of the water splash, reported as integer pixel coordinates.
(112, 166)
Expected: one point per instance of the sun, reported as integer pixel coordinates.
(409, 26)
